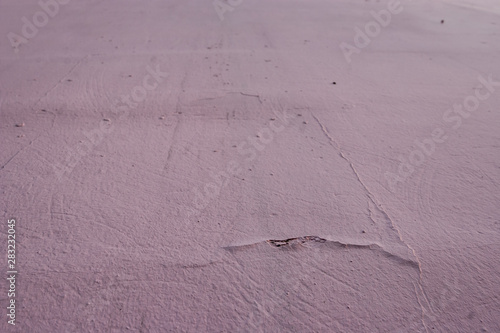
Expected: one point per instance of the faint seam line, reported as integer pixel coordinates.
(62, 213)
(254, 283)
(133, 240)
(61, 79)
(243, 292)
(333, 143)
(282, 301)
(291, 304)
(301, 299)
(326, 314)
(334, 278)
(194, 266)
(39, 273)
(463, 248)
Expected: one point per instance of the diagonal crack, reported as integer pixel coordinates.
(178, 107)
(20, 150)
(422, 308)
(371, 197)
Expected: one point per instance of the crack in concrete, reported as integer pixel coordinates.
(422, 308)
(371, 197)
(250, 95)
(178, 107)
(296, 242)
(300, 240)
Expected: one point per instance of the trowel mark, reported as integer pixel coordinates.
(305, 249)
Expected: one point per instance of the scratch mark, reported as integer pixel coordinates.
(336, 279)
(176, 129)
(199, 265)
(20, 150)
